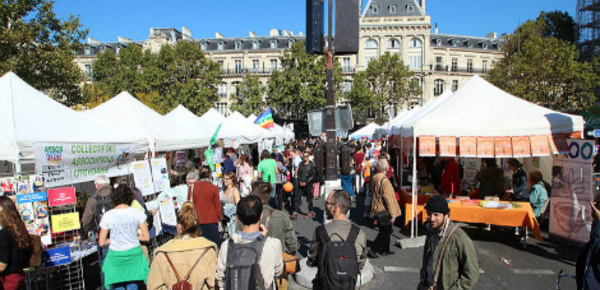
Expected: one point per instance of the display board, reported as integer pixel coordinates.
(142, 177)
(160, 174)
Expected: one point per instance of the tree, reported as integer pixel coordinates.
(248, 98)
(560, 25)
(386, 83)
(301, 85)
(545, 70)
(39, 47)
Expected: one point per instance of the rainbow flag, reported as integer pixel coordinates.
(265, 119)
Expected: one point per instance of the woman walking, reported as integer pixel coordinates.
(16, 246)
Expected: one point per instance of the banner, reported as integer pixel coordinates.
(142, 177)
(160, 174)
(448, 146)
(62, 163)
(485, 147)
(539, 146)
(57, 256)
(427, 146)
(521, 146)
(468, 146)
(503, 147)
(572, 186)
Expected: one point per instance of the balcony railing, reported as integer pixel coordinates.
(461, 69)
(243, 71)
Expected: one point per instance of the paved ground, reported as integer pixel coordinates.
(535, 267)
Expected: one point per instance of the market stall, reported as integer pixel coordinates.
(183, 118)
(365, 132)
(236, 129)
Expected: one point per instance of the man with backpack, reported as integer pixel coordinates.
(96, 206)
(249, 259)
(338, 248)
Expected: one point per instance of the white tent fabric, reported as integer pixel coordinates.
(280, 132)
(479, 108)
(236, 126)
(183, 118)
(366, 131)
(213, 118)
(406, 124)
(126, 112)
(252, 118)
(30, 116)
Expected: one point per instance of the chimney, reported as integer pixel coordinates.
(123, 40)
(436, 31)
(423, 6)
(273, 32)
(186, 33)
(251, 34)
(218, 35)
(492, 35)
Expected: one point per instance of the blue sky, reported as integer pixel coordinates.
(107, 19)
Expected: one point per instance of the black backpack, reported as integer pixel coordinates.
(338, 263)
(243, 270)
(103, 204)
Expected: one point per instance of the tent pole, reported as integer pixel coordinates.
(413, 228)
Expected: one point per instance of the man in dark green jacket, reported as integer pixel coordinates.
(459, 267)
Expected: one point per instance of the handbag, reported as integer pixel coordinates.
(290, 262)
(383, 217)
(438, 267)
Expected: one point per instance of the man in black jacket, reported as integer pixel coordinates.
(306, 178)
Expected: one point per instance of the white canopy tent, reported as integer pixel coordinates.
(183, 118)
(128, 113)
(236, 126)
(366, 131)
(213, 118)
(30, 116)
(408, 120)
(252, 118)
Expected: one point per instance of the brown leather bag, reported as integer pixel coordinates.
(183, 284)
(290, 261)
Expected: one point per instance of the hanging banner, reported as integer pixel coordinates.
(61, 196)
(448, 146)
(427, 146)
(571, 187)
(468, 146)
(485, 147)
(62, 163)
(160, 174)
(539, 146)
(521, 146)
(559, 145)
(33, 208)
(142, 177)
(503, 147)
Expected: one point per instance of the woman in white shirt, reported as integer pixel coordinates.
(126, 266)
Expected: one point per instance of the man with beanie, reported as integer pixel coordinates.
(449, 245)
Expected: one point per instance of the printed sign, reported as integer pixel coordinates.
(539, 146)
(160, 173)
(143, 177)
(448, 146)
(485, 147)
(427, 146)
(503, 147)
(521, 146)
(33, 208)
(62, 163)
(65, 222)
(61, 196)
(57, 256)
(468, 146)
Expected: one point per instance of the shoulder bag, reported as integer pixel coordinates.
(290, 262)
(438, 267)
(384, 217)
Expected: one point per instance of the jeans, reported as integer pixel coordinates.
(273, 196)
(101, 251)
(211, 232)
(279, 194)
(307, 192)
(381, 243)
(131, 285)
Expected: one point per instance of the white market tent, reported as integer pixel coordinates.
(406, 123)
(366, 131)
(183, 118)
(213, 118)
(30, 116)
(128, 113)
(252, 118)
(238, 127)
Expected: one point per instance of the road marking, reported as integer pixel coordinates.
(481, 271)
(400, 269)
(533, 272)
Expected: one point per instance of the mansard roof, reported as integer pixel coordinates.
(463, 41)
(388, 8)
(247, 43)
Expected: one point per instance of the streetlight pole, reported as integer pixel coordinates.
(331, 138)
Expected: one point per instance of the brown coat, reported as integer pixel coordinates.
(183, 253)
(391, 204)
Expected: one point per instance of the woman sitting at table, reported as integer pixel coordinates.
(538, 194)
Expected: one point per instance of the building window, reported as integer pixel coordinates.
(222, 108)
(375, 9)
(222, 90)
(118, 50)
(469, 44)
(414, 61)
(88, 71)
(485, 46)
(220, 45)
(371, 44)
(415, 42)
(238, 65)
(346, 64)
(470, 65)
(454, 43)
(415, 82)
(255, 65)
(438, 42)
(454, 64)
(454, 85)
(88, 50)
(238, 45)
(367, 60)
(290, 43)
(234, 88)
(255, 44)
(392, 9)
(347, 86)
(204, 46)
(438, 87)
(410, 8)
(484, 66)
(273, 64)
(273, 43)
(393, 44)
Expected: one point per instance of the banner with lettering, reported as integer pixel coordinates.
(62, 163)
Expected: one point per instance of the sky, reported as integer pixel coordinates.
(108, 19)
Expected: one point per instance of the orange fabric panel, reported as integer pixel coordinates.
(427, 146)
(485, 147)
(468, 146)
(539, 146)
(521, 146)
(448, 146)
(503, 147)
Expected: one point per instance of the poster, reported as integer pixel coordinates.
(33, 208)
(471, 167)
(143, 177)
(57, 256)
(61, 196)
(521, 146)
(180, 158)
(485, 147)
(62, 163)
(160, 174)
(539, 146)
(427, 146)
(65, 222)
(503, 147)
(167, 212)
(448, 146)
(468, 146)
(559, 144)
(571, 187)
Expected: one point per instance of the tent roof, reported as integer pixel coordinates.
(183, 118)
(406, 124)
(31, 116)
(127, 112)
(213, 118)
(236, 126)
(252, 118)
(479, 108)
(366, 131)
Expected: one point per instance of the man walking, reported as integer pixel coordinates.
(449, 258)
(306, 177)
(205, 197)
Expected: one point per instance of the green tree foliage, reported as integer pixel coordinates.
(386, 82)
(560, 25)
(301, 85)
(179, 74)
(38, 47)
(248, 98)
(545, 70)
